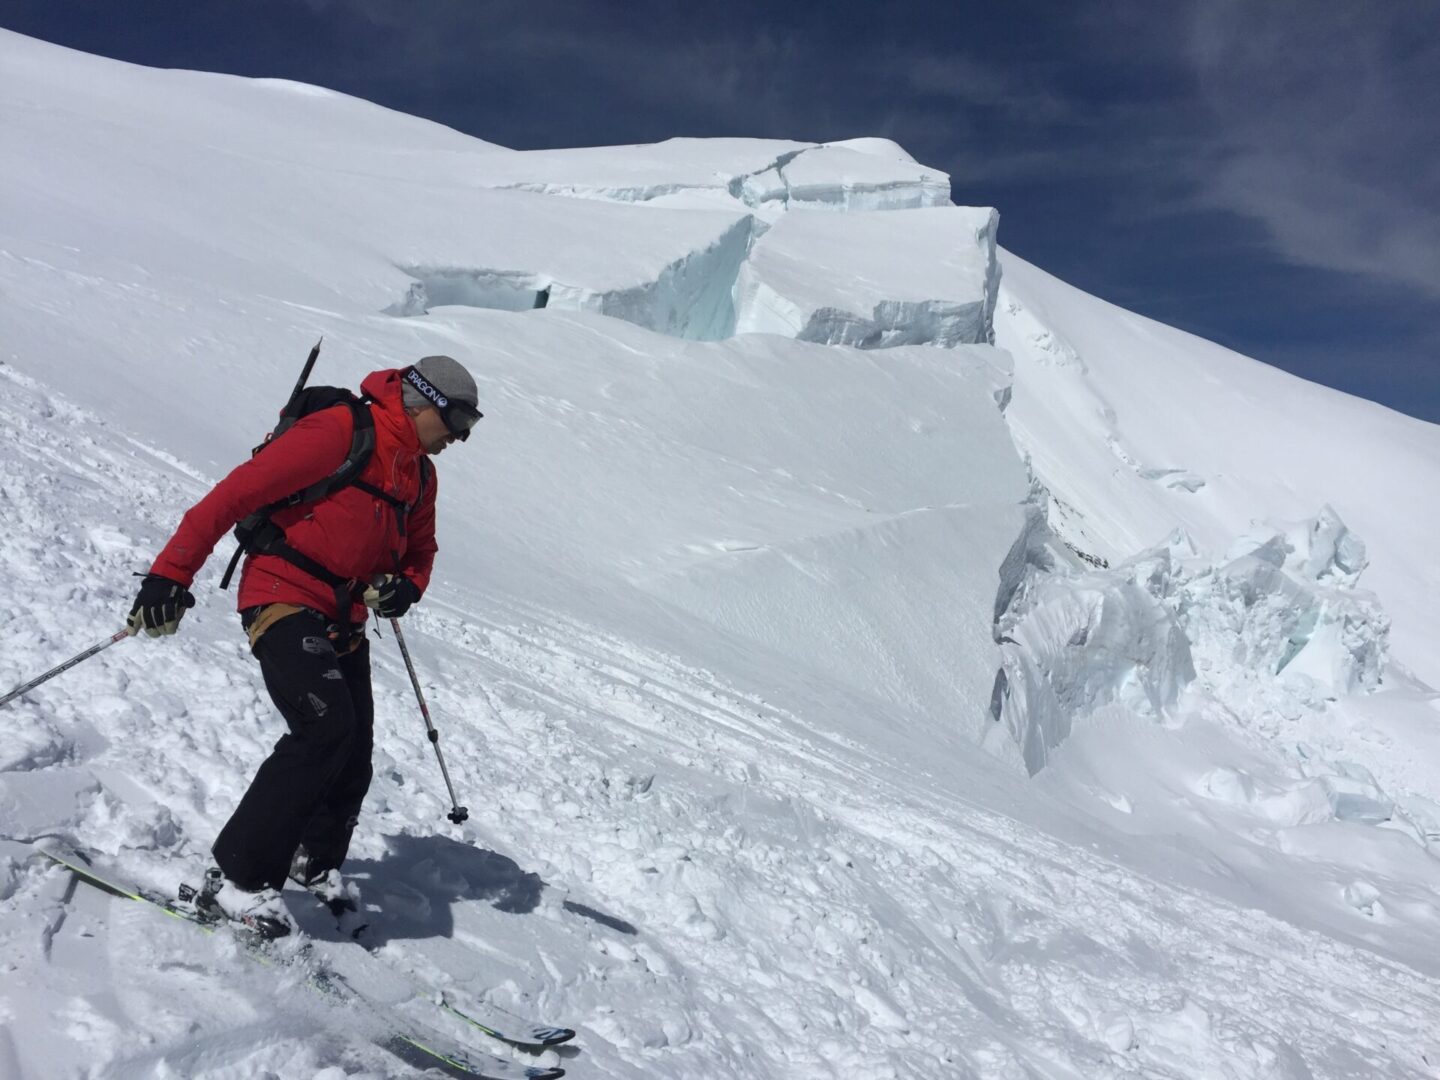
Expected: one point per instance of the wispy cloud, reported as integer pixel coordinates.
(1324, 121)
(968, 81)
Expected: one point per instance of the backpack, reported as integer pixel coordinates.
(259, 534)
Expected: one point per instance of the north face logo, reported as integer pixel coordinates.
(317, 646)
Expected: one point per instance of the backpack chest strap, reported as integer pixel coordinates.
(370, 489)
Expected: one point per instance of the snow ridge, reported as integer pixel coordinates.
(856, 175)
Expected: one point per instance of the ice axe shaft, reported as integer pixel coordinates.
(309, 367)
(457, 813)
(25, 688)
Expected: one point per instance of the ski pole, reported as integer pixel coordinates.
(457, 813)
(24, 688)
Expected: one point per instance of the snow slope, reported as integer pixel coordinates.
(1248, 461)
(728, 632)
(1243, 441)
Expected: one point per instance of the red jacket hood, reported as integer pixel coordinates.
(384, 388)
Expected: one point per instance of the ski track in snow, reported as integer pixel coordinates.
(681, 925)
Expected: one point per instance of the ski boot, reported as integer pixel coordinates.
(260, 913)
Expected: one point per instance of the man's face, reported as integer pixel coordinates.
(430, 428)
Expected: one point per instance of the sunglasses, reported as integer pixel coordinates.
(459, 416)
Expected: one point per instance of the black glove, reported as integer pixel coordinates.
(391, 595)
(159, 606)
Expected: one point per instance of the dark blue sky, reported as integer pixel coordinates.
(1266, 173)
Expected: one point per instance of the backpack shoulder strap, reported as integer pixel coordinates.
(257, 532)
(362, 447)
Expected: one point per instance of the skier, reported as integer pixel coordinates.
(304, 592)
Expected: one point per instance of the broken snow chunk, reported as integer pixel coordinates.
(1332, 550)
(1355, 796)
(1284, 603)
(765, 186)
(1256, 614)
(1282, 804)
(1071, 645)
(1266, 545)
(1364, 898)
(1321, 548)
(1119, 1035)
(836, 177)
(1118, 801)
(1227, 785)
(1361, 807)
(874, 280)
(687, 297)
(1273, 630)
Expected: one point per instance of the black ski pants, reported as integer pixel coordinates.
(310, 788)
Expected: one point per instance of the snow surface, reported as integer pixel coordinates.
(1062, 709)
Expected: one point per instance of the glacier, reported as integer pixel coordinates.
(874, 279)
(862, 653)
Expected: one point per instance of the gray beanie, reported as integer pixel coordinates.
(448, 376)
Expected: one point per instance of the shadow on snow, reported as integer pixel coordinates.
(420, 879)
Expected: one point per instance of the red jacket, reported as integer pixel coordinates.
(352, 533)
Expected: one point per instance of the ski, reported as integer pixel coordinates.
(496, 1023)
(83, 868)
(523, 1034)
(412, 1043)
